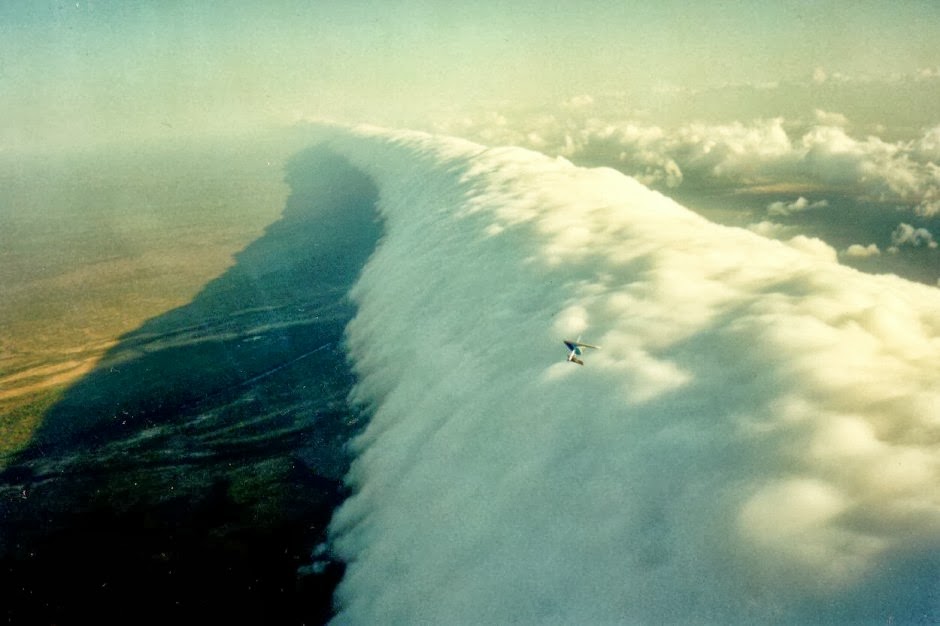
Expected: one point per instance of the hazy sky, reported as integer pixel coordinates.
(75, 72)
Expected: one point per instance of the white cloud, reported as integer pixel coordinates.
(907, 235)
(814, 246)
(754, 442)
(859, 251)
(800, 204)
(928, 146)
(772, 230)
(734, 155)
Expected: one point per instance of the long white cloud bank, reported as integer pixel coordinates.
(758, 438)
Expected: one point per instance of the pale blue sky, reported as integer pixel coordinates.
(75, 72)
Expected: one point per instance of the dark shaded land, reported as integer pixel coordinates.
(843, 222)
(191, 475)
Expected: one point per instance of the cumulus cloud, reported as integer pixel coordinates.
(859, 251)
(733, 155)
(907, 235)
(929, 145)
(800, 204)
(772, 230)
(814, 246)
(757, 440)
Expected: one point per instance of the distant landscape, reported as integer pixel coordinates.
(174, 392)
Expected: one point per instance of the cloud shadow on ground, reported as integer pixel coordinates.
(195, 468)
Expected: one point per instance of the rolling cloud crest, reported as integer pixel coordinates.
(758, 438)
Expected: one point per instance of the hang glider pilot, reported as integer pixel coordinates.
(574, 350)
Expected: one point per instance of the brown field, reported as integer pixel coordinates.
(94, 244)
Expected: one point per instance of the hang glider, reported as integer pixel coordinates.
(574, 350)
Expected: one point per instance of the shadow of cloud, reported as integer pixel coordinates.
(198, 465)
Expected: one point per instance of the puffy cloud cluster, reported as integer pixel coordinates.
(732, 155)
(907, 235)
(758, 438)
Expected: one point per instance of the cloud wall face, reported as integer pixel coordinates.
(757, 439)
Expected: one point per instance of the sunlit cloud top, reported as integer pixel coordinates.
(756, 441)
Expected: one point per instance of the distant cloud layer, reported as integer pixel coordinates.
(758, 438)
(820, 173)
(735, 154)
